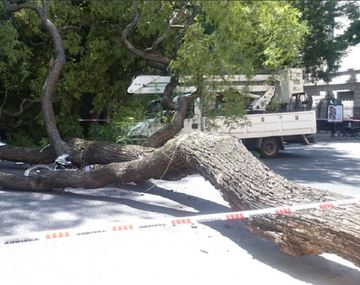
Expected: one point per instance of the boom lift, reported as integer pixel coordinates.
(260, 130)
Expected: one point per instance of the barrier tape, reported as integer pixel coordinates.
(140, 225)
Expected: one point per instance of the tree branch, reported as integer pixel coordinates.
(176, 124)
(164, 35)
(167, 102)
(45, 5)
(189, 20)
(54, 71)
(3, 102)
(158, 40)
(155, 58)
(22, 108)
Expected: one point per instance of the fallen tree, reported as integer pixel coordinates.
(243, 181)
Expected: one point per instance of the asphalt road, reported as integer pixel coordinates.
(330, 165)
(333, 166)
(215, 253)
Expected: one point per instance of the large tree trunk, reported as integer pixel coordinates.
(56, 66)
(82, 153)
(176, 124)
(243, 181)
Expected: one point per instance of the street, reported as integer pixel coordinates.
(210, 253)
(331, 165)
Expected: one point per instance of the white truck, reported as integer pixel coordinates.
(264, 132)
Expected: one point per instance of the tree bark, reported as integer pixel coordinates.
(161, 136)
(82, 153)
(243, 181)
(161, 61)
(48, 89)
(247, 184)
(167, 102)
(27, 155)
(56, 66)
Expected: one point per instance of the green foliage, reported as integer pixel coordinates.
(239, 37)
(233, 103)
(21, 138)
(116, 131)
(245, 37)
(194, 57)
(112, 132)
(20, 77)
(96, 63)
(226, 37)
(126, 118)
(68, 125)
(323, 51)
(275, 105)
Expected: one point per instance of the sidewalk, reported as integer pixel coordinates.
(326, 137)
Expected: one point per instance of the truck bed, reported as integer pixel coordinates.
(261, 125)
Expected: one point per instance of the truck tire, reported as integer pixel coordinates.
(343, 135)
(269, 148)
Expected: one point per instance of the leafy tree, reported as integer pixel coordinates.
(96, 65)
(18, 76)
(322, 51)
(241, 37)
(246, 37)
(352, 33)
(221, 37)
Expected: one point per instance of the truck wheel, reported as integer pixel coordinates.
(343, 136)
(269, 148)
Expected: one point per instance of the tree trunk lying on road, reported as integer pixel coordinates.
(83, 152)
(243, 181)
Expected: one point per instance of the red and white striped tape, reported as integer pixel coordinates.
(140, 225)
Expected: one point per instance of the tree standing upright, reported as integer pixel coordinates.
(56, 66)
(325, 45)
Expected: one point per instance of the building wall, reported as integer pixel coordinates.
(345, 81)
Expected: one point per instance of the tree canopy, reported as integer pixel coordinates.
(197, 37)
(323, 49)
(105, 43)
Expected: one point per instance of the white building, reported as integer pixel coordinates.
(344, 84)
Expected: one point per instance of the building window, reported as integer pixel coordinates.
(345, 96)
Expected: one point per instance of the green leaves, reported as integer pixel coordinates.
(245, 36)
(239, 37)
(224, 38)
(195, 53)
(283, 34)
(323, 49)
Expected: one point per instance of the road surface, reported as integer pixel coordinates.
(215, 253)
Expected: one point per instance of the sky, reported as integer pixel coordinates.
(352, 60)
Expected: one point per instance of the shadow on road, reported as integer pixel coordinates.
(307, 268)
(71, 208)
(321, 164)
(311, 269)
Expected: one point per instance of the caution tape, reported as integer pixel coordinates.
(156, 223)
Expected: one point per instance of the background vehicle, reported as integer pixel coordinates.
(349, 132)
(261, 130)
